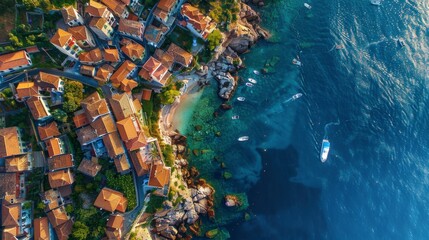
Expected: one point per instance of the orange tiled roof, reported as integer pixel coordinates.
(166, 5)
(159, 176)
(133, 51)
(27, 89)
(60, 178)
(127, 85)
(117, 7)
(58, 216)
(141, 162)
(61, 37)
(10, 233)
(64, 230)
(104, 125)
(9, 143)
(154, 34)
(104, 72)
(10, 215)
(98, 23)
(146, 94)
(13, 60)
(137, 105)
(51, 199)
(87, 70)
(151, 65)
(92, 56)
(180, 56)
(111, 200)
(37, 108)
(46, 80)
(200, 22)
(115, 221)
(41, 228)
(130, 27)
(161, 14)
(86, 135)
(113, 144)
(95, 9)
(137, 142)
(60, 161)
(111, 55)
(89, 167)
(94, 106)
(122, 73)
(48, 131)
(164, 57)
(17, 163)
(80, 118)
(121, 106)
(8, 182)
(53, 146)
(68, 13)
(79, 32)
(122, 164)
(160, 73)
(127, 129)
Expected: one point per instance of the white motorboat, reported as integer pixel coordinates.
(376, 2)
(241, 99)
(235, 117)
(256, 72)
(324, 150)
(296, 62)
(252, 80)
(307, 5)
(243, 138)
(293, 98)
(249, 84)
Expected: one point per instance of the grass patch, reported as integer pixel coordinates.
(182, 38)
(155, 202)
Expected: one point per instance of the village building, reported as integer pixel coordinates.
(131, 28)
(38, 108)
(154, 70)
(20, 163)
(92, 57)
(60, 178)
(96, 9)
(48, 131)
(25, 90)
(87, 70)
(41, 228)
(165, 10)
(49, 82)
(11, 143)
(66, 43)
(14, 61)
(180, 56)
(134, 51)
(114, 226)
(71, 16)
(89, 167)
(119, 9)
(101, 28)
(111, 200)
(198, 23)
(83, 36)
(59, 162)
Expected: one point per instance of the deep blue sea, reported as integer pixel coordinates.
(375, 184)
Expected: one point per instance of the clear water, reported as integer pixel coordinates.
(375, 183)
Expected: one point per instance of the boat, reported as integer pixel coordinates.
(339, 46)
(293, 98)
(376, 2)
(401, 43)
(243, 138)
(241, 99)
(249, 84)
(235, 117)
(307, 5)
(252, 80)
(296, 62)
(256, 72)
(324, 150)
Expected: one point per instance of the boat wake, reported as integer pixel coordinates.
(327, 127)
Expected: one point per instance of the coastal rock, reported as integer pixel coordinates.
(191, 216)
(194, 172)
(212, 233)
(231, 201)
(218, 134)
(167, 204)
(225, 106)
(226, 84)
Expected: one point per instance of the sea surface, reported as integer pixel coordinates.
(375, 184)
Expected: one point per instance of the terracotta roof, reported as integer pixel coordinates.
(80, 118)
(200, 22)
(65, 191)
(48, 131)
(166, 5)
(8, 184)
(141, 162)
(153, 34)
(98, 23)
(127, 128)
(151, 65)
(127, 2)
(122, 73)
(10, 233)
(17, 163)
(111, 200)
(9, 142)
(64, 230)
(137, 142)
(86, 135)
(164, 57)
(159, 175)
(13, 60)
(180, 56)
(137, 105)
(122, 164)
(37, 109)
(60, 162)
(69, 14)
(61, 37)
(131, 27)
(94, 106)
(133, 51)
(92, 56)
(111, 55)
(58, 216)
(54, 146)
(52, 199)
(114, 226)
(113, 144)
(160, 74)
(121, 106)
(46, 80)
(27, 89)
(104, 125)
(146, 94)
(10, 215)
(60, 178)
(87, 70)
(95, 9)
(41, 228)
(79, 32)
(89, 167)
(127, 85)
(117, 7)
(163, 15)
(104, 72)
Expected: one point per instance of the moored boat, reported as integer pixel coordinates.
(241, 99)
(307, 5)
(252, 80)
(256, 72)
(296, 62)
(235, 117)
(243, 138)
(324, 150)
(249, 84)
(376, 2)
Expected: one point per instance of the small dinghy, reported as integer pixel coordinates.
(249, 84)
(256, 72)
(296, 62)
(252, 80)
(235, 117)
(241, 99)
(308, 6)
(243, 138)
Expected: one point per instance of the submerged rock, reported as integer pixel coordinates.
(226, 106)
(232, 201)
(196, 152)
(212, 233)
(227, 175)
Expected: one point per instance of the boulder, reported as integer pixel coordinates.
(231, 201)
(192, 216)
(212, 233)
(167, 204)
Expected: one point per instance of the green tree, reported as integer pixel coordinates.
(168, 96)
(59, 115)
(80, 231)
(214, 39)
(73, 94)
(69, 209)
(15, 40)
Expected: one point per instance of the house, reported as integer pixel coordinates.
(89, 167)
(180, 56)
(131, 28)
(127, 85)
(54, 146)
(134, 51)
(71, 16)
(146, 94)
(10, 219)
(64, 230)
(104, 125)
(49, 82)
(154, 70)
(52, 199)
(131, 133)
(87, 70)
(155, 34)
(25, 90)
(94, 106)
(130, 3)
(164, 10)
(111, 200)
(141, 161)
(41, 228)
(58, 216)
(80, 119)
(111, 55)
(83, 36)
(66, 43)
(165, 58)
(48, 131)
(103, 74)
(101, 28)
(92, 57)
(11, 62)
(121, 105)
(8, 183)
(114, 226)
(160, 178)
(11, 143)
(123, 72)
(59, 162)
(60, 178)
(96, 9)
(86, 135)
(119, 9)
(113, 145)
(38, 108)
(122, 164)
(198, 23)
(19, 163)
